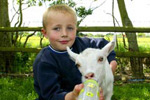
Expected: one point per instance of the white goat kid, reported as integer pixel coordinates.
(93, 64)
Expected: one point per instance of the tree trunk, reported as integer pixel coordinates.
(136, 63)
(5, 57)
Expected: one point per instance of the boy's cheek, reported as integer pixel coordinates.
(53, 38)
(73, 36)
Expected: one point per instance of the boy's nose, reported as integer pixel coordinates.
(89, 76)
(64, 33)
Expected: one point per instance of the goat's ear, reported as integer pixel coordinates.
(110, 46)
(72, 55)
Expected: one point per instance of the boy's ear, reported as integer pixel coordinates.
(44, 32)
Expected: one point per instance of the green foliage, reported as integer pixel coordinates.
(136, 91)
(23, 89)
(39, 34)
(81, 35)
(31, 3)
(17, 89)
(23, 62)
(141, 34)
(70, 3)
(82, 12)
(99, 35)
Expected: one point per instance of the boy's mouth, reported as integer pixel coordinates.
(64, 42)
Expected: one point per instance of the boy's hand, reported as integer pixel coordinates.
(74, 94)
(77, 89)
(101, 95)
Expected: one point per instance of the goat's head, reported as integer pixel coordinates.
(92, 62)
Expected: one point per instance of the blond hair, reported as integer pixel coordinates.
(62, 8)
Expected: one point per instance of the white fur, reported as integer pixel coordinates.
(89, 63)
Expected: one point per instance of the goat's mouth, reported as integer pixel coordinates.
(84, 79)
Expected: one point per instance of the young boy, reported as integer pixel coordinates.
(56, 77)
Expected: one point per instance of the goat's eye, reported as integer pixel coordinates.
(100, 59)
(78, 65)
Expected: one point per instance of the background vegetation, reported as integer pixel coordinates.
(16, 88)
(23, 60)
(22, 89)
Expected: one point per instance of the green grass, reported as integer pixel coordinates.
(17, 89)
(34, 41)
(22, 89)
(134, 91)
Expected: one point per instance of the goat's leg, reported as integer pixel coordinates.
(108, 92)
(108, 96)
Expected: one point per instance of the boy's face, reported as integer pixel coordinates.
(60, 30)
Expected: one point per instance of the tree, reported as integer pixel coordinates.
(136, 63)
(5, 58)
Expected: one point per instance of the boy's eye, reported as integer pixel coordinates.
(70, 28)
(56, 28)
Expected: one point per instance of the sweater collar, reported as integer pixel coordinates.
(57, 52)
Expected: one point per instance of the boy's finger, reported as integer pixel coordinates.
(101, 95)
(77, 89)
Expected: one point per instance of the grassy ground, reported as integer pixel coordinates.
(34, 41)
(134, 91)
(22, 89)
(17, 89)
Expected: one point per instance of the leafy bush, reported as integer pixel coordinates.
(17, 89)
(23, 62)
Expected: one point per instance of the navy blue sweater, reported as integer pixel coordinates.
(55, 74)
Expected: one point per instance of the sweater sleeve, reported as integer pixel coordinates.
(48, 80)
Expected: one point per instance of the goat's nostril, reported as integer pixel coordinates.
(86, 77)
(92, 75)
(89, 76)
